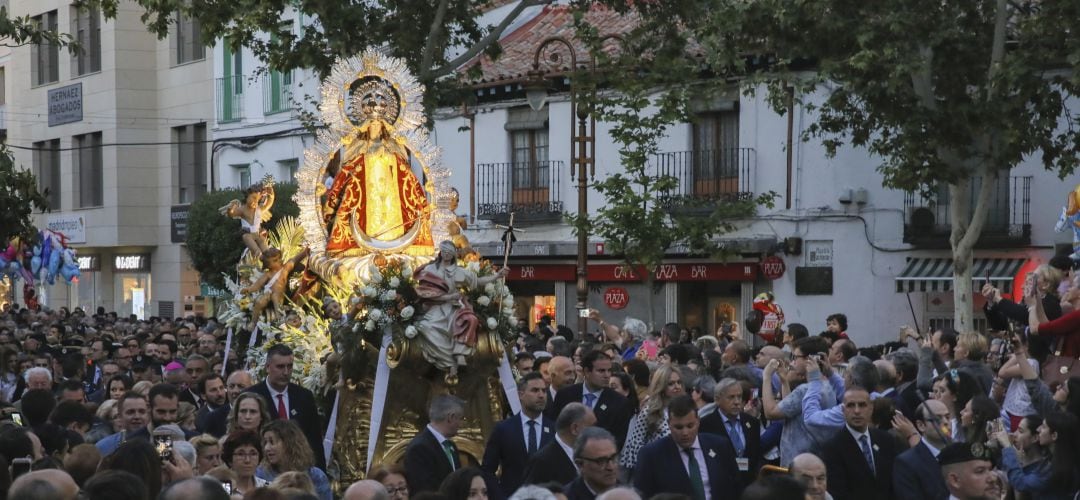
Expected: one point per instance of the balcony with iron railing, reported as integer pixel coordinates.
(277, 93)
(230, 98)
(528, 189)
(1008, 217)
(709, 174)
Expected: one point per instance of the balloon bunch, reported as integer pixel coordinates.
(43, 259)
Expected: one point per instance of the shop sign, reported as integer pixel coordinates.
(66, 105)
(73, 227)
(178, 223)
(616, 297)
(88, 262)
(676, 272)
(211, 292)
(132, 263)
(772, 267)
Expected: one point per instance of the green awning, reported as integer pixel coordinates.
(936, 275)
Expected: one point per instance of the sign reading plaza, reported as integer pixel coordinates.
(66, 105)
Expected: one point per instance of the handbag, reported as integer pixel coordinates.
(1059, 368)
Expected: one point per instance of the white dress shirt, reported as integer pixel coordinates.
(274, 399)
(569, 450)
(525, 429)
(699, 454)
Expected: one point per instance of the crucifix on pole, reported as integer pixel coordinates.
(508, 239)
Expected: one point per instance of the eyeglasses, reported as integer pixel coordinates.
(394, 491)
(602, 461)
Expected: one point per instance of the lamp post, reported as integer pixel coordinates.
(583, 147)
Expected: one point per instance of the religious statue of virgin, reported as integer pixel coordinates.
(376, 195)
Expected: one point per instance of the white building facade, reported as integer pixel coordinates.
(848, 244)
(118, 135)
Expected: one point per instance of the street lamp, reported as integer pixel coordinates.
(583, 136)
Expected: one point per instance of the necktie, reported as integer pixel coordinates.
(736, 436)
(864, 443)
(450, 450)
(590, 399)
(532, 437)
(695, 475)
(282, 413)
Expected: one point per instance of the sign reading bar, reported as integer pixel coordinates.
(66, 105)
(73, 227)
(89, 262)
(178, 222)
(132, 263)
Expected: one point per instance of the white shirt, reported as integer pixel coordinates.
(858, 436)
(702, 467)
(569, 450)
(933, 451)
(274, 399)
(539, 426)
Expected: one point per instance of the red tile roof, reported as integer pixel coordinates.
(519, 47)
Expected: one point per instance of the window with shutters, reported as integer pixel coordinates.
(87, 155)
(86, 30)
(189, 44)
(190, 144)
(47, 170)
(529, 154)
(45, 56)
(716, 157)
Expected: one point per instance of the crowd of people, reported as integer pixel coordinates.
(99, 406)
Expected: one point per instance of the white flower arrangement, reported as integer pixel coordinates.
(369, 325)
(411, 331)
(489, 289)
(376, 315)
(492, 323)
(407, 312)
(395, 282)
(389, 295)
(483, 300)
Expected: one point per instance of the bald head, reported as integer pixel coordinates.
(886, 374)
(620, 493)
(810, 471)
(366, 490)
(768, 353)
(561, 371)
(48, 484)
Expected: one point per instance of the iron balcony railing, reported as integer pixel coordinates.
(230, 98)
(277, 92)
(529, 189)
(1008, 215)
(720, 174)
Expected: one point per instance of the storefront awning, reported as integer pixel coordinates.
(936, 275)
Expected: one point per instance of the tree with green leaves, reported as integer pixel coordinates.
(943, 93)
(19, 198)
(213, 240)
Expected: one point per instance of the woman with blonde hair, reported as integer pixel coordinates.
(1000, 311)
(651, 422)
(207, 453)
(142, 387)
(249, 412)
(970, 354)
(285, 449)
(294, 480)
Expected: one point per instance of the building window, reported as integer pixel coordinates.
(190, 143)
(288, 168)
(88, 164)
(47, 170)
(230, 89)
(716, 156)
(86, 29)
(189, 45)
(243, 173)
(277, 86)
(45, 56)
(530, 169)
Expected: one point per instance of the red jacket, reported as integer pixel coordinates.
(1067, 327)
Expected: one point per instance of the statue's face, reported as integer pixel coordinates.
(374, 104)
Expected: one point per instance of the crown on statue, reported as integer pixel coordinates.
(375, 98)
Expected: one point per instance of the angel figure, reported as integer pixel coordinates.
(271, 285)
(252, 213)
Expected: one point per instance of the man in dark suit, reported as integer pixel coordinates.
(859, 459)
(517, 438)
(907, 396)
(917, 473)
(612, 411)
(560, 373)
(289, 401)
(686, 462)
(555, 461)
(597, 458)
(432, 455)
(743, 430)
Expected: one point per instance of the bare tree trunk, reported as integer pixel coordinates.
(967, 225)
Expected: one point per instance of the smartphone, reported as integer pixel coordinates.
(164, 446)
(227, 485)
(20, 466)
(583, 313)
(17, 418)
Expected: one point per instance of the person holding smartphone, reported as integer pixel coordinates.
(1043, 281)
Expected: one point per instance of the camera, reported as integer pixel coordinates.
(20, 466)
(583, 313)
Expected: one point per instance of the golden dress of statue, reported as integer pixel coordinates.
(376, 196)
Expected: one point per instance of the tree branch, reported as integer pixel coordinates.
(482, 44)
(922, 81)
(433, 35)
(979, 212)
(997, 49)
